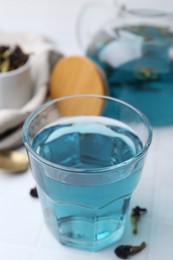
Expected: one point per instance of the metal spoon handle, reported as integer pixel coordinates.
(13, 161)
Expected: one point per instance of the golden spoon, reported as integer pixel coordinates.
(13, 161)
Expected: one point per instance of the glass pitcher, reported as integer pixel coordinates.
(133, 44)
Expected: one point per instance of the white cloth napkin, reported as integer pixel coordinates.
(44, 55)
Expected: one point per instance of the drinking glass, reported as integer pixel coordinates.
(86, 155)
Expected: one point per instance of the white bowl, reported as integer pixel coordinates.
(15, 87)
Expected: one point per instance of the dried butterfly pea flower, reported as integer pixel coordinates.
(34, 193)
(145, 74)
(3, 48)
(5, 65)
(135, 216)
(125, 251)
(12, 58)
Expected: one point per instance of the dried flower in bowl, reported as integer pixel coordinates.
(11, 58)
(15, 77)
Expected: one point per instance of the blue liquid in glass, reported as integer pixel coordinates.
(138, 64)
(81, 211)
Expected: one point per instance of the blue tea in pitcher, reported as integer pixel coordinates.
(138, 63)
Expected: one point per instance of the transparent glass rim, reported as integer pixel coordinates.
(148, 13)
(48, 104)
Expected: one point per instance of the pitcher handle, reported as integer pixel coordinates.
(91, 18)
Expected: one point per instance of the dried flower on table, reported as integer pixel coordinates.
(34, 193)
(135, 216)
(124, 251)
